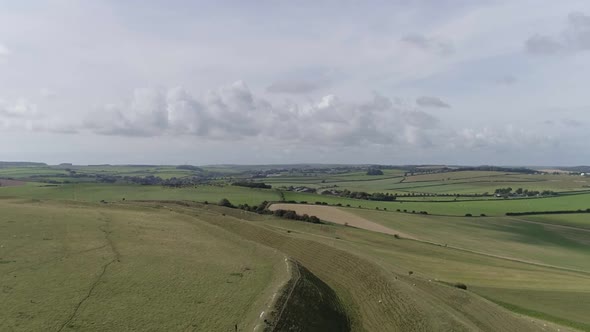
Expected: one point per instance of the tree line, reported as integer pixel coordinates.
(262, 208)
(386, 197)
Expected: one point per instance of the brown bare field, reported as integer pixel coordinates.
(11, 183)
(337, 216)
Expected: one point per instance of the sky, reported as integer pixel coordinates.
(276, 82)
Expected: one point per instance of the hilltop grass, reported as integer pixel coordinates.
(90, 267)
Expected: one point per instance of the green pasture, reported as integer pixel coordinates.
(495, 207)
(580, 220)
(93, 192)
(70, 266)
(499, 236)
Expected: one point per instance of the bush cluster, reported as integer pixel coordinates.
(290, 214)
(260, 185)
(262, 209)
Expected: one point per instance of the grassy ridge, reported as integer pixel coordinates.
(310, 305)
(376, 299)
(512, 282)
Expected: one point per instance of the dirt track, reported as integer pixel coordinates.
(337, 216)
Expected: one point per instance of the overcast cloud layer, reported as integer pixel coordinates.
(396, 82)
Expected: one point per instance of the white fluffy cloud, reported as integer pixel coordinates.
(233, 112)
(23, 114)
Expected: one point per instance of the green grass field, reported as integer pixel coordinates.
(70, 266)
(90, 256)
(501, 236)
(463, 182)
(496, 207)
(93, 192)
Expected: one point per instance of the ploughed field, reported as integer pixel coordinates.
(117, 256)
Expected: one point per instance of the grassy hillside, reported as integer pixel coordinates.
(554, 293)
(376, 296)
(501, 236)
(70, 266)
(551, 293)
(308, 304)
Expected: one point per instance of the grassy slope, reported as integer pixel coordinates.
(377, 298)
(310, 298)
(551, 294)
(554, 294)
(125, 268)
(501, 236)
(581, 220)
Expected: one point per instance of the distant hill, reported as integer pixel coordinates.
(4, 164)
(580, 169)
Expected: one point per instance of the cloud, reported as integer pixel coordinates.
(427, 101)
(543, 45)
(506, 80)
(572, 123)
(47, 93)
(429, 44)
(22, 108)
(233, 112)
(505, 138)
(293, 87)
(574, 38)
(577, 33)
(23, 115)
(3, 50)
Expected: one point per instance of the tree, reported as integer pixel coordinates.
(225, 202)
(374, 171)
